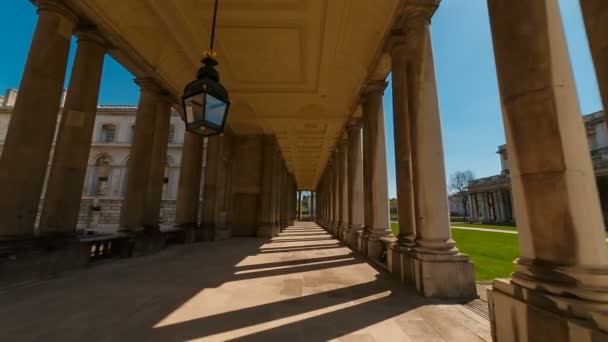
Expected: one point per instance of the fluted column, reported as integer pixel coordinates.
(355, 183)
(375, 168)
(69, 165)
(189, 188)
(30, 134)
(561, 277)
(595, 14)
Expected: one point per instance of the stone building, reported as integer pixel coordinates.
(105, 179)
(490, 199)
(306, 81)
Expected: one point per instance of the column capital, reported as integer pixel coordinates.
(374, 88)
(353, 124)
(90, 34)
(150, 85)
(413, 17)
(57, 6)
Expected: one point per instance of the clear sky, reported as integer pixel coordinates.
(464, 61)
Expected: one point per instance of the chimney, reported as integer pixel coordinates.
(10, 98)
(62, 98)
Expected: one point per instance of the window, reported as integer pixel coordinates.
(102, 173)
(171, 137)
(132, 133)
(108, 134)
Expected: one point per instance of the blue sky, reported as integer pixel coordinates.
(466, 77)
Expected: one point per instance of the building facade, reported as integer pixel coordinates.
(106, 175)
(490, 199)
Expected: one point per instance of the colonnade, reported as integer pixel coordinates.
(423, 253)
(491, 206)
(560, 286)
(29, 140)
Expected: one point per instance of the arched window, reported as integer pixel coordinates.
(107, 134)
(171, 137)
(101, 176)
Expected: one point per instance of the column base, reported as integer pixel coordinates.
(40, 258)
(443, 276)
(401, 263)
(190, 233)
(362, 238)
(267, 231)
(352, 236)
(342, 230)
(520, 314)
(207, 232)
(147, 241)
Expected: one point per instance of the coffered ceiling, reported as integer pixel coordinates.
(293, 68)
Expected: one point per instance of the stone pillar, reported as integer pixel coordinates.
(355, 184)
(405, 80)
(30, 134)
(343, 187)
(210, 188)
(69, 165)
(299, 205)
(441, 271)
(135, 203)
(559, 290)
(336, 195)
(189, 188)
(595, 14)
(267, 225)
(154, 188)
(222, 227)
(375, 172)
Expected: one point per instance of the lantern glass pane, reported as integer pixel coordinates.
(215, 110)
(194, 108)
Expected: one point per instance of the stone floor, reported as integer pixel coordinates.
(302, 285)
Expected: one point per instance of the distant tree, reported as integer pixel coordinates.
(459, 184)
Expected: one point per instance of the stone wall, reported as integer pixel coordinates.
(104, 214)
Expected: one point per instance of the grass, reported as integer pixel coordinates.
(489, 226)
(492, 253)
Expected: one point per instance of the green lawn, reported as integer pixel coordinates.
(489, 226)
(492, 253)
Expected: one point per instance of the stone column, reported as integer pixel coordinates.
(595, 13)
(375, 172)
(355, 184)
(158, 156)
(69, 165)
(267, 225)
(30, 134)
(343, 187)
(299, 205)
(134, 205)
(560, 286)
(405, 67)
(336, 195)
(189, 188)
(210, 188)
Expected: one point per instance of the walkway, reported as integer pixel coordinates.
(301, 286)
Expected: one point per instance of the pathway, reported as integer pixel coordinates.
(301, 286)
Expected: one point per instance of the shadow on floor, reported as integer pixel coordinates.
(130, 299)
